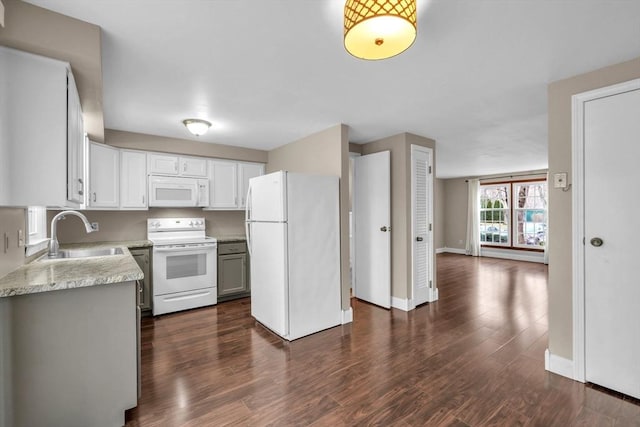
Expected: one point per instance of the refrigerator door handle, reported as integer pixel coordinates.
(247, 209)
(247, 217)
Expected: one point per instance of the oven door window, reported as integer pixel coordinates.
(180, 266)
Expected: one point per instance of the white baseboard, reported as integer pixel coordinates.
(441, 250)
(558, 365)
(454, 251)
(513, 255)
(347, 316)
(402, 304)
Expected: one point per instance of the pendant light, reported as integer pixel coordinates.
(197, 126)
(379, 29)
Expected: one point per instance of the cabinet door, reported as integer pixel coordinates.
(192, 166)
(232, 277)
(75, 144)
(33, 130)
(142, 258)
(223, 185)
(246, 171)
(163, 164)
(133, 179)
(103, 176)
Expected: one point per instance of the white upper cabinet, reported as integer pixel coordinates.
(133, 179)
(223, 185)
(166, 164)
(104, 176)
(76, 145)
(229, 182)
(41, 131)
(163, 164)
(246, 171)
(193, 166)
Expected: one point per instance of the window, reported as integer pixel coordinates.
(36, 229)
(494, 214)
(514, 214)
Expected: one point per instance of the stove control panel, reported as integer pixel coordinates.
(175, 224)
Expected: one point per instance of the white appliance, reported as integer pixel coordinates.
(184, 264)
(293, 237)
(177, 191)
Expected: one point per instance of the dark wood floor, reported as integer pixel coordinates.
(474, 358)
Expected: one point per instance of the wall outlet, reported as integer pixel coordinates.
(560, 180)
(459, 242)
(95, 226)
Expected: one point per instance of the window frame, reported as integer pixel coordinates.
(512, 218)
(506, 211)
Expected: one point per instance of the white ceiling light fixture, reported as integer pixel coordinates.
(379, 29)
(197, 126)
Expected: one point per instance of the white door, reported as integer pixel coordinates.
(133, 179)
(192, 166)
(163, 164)
(246, 171)
(224, 184)
(267, 243)
(372, 228)
(104, 176)
(422, 225)
(611, 207)
(267, 198)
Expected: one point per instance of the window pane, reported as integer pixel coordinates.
(530, 214)
(494, 214)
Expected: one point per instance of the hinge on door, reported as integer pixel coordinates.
(429, 227)
(429, 169)
(430, 284)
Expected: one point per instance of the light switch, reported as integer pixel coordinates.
(20, 238)
(560, 180)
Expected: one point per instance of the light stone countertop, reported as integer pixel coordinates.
(44, 275)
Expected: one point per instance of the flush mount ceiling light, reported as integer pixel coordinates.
(197, 126)
(379, 29)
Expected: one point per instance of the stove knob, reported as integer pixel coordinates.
(191, 224)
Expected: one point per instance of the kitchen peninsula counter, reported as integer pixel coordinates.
(44, 275)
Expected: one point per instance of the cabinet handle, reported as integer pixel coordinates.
(184, 167)
(143, 199)
(81, 189)
(94, 196)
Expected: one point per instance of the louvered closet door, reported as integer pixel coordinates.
(421, 188)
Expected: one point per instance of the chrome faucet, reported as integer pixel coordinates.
(53, 243)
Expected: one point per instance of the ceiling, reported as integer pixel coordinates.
(269, 72)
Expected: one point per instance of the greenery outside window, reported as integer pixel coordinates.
(514, 214)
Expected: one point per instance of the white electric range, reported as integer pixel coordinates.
(184, 264)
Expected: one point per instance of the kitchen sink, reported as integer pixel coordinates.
(86, 253)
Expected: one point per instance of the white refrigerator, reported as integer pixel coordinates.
(293, 236)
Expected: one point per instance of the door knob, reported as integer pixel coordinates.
(419, 239)
(597, 242)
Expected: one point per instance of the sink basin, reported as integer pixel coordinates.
(87, 253)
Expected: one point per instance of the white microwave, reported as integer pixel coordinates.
(177, 191)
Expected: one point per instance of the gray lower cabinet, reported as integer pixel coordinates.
(233, 271)
(142, 257)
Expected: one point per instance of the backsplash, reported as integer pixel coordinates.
(11, 220)
(132, 225)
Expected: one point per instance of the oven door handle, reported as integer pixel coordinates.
(185, 248)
